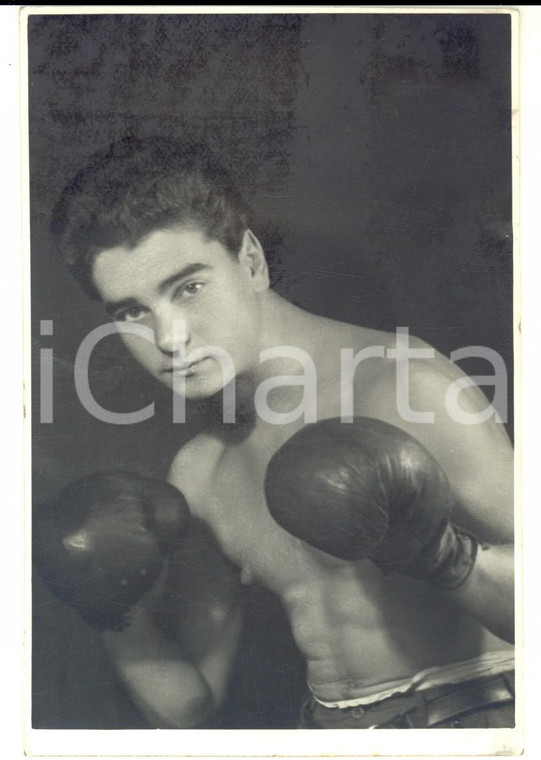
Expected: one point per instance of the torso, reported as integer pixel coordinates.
(355, 627)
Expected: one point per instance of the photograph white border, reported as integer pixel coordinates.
(242, 743)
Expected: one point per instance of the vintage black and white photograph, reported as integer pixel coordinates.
(272, 319)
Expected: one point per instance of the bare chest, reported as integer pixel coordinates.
(232, 504)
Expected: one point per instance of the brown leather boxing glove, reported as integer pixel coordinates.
(368, 490)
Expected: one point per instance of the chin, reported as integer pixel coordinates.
(200, 386)
(197, 389)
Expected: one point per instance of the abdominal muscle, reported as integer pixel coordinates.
(359, 630)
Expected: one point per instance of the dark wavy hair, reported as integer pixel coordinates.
(136, 186)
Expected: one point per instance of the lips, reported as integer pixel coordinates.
(183, 369)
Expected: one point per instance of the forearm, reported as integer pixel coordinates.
(488, 592)
(170, 692)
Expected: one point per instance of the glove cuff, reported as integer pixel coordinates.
(450, 559)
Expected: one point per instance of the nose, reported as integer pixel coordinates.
(171, 332)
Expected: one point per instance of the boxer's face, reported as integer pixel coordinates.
(192, 294)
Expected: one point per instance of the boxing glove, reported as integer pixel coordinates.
(369, 490)
(101, 544)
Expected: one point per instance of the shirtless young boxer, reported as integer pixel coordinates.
(160, 236)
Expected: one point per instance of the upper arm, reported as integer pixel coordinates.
(477, 458)
(204, 598)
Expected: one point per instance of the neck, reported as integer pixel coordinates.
(281, 324)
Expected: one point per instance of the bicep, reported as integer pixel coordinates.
(479, 465)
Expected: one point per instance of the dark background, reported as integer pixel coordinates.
(375, 152)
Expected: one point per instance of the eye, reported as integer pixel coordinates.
(132, 314)
(190, 289)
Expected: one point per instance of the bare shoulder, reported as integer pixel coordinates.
(428, 396)
(341, 345)
(370, 360)
(195, 463)
(409, 381)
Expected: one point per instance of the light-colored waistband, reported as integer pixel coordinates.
(488, 664)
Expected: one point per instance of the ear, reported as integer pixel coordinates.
(252, 258)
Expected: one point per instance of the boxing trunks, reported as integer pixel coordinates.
(477, 693)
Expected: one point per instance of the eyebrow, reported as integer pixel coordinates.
(180, 275)
(113, 306)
